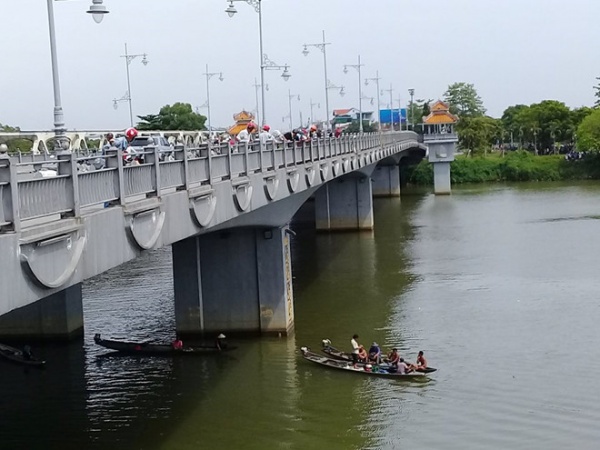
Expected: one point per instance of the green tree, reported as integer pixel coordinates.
(15, 144)
(464, 100)
(178, 116)
(477, 134)
(354, 127)
(597, 94)
(588, 132)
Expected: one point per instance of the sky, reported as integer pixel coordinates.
(513, 51)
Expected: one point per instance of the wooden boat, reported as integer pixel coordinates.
(381, 370)
(20, 356)
(340, 355)
(147, 348)
(334, 352)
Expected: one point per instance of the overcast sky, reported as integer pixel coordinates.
(513, 51)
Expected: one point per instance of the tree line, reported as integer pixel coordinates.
(542, 127)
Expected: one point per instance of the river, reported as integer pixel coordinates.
(498, 285)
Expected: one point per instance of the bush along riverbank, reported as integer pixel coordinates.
(513, 166)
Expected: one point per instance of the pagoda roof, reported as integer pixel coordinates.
(242, 119)
(440, 114)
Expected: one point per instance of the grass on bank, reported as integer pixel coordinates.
(513, 166)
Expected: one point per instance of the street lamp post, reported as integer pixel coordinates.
(411, 91)
(357, 67)
(391, 92)
(290, 97)
(127, 96)
(323, 47)
(318, 105)
(376, 80)
(264, 64)
(209, 75)
(98, 10)
(257, 86)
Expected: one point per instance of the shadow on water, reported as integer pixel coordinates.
(261, 396)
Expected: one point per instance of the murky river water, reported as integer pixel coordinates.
(498, 285)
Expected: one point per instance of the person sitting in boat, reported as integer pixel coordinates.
(375, 353)
(221, 343)
(394, 357)
(177, 344)
(368, 368)
(363, 356)
(27, 353)
(421, 361)
(402, 368)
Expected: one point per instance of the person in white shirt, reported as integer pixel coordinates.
(265, 135)
(245, 135)
(355, 348)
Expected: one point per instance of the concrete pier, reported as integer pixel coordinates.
(386, 181)
(58, 316)
(235, 281)
(441, 178)
(345, 204)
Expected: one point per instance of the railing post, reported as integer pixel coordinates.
(181, 155)
(115, 160)
(229, 163)
(69, 167)
(246, 159)
(209, 161)
(285, 154)
(155, 159)
(260, 154)
(10, 203)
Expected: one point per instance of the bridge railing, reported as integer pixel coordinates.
(67, 183)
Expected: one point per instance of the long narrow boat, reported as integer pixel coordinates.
(344, 356)
(20, 356)
(147, 348)
(382, 370)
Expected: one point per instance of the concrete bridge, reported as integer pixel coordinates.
(224, 210)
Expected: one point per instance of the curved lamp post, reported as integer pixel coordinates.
(376, 80)
(357, 67)
(323, 47)
(209, 75)
(98, 10)
(127, 96)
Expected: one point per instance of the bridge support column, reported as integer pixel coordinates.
(386, 181)
(441, 178)
(58, 316)
(236, 281)
(345, 204)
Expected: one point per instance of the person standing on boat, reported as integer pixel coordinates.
(355, 348)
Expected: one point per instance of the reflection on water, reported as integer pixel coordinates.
(496, 284)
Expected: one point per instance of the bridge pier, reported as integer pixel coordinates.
(236, 281)
(58, 316)
(345, 204)
(441, 178)
(386, 181)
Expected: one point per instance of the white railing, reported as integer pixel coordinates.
(105, 179)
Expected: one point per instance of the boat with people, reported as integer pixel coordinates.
(384, 370)
(341, 355)
(173, 348)
(23, 356)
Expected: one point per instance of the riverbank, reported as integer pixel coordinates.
(513, 166)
